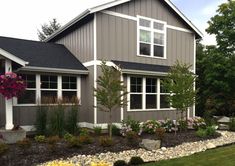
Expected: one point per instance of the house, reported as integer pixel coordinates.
(141, 37)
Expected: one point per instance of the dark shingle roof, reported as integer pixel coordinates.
(41, 54)
(141, 66)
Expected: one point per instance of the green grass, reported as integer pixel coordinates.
(223, 156)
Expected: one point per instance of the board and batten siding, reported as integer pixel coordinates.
(80, 42)
(2, 111)
(117, 40)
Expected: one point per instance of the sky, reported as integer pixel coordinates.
(22, 18)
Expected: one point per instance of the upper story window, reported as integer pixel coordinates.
(151, 38)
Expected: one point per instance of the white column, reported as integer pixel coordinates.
(122, 110)
(59, 84)
(79, 89)
(9, 103)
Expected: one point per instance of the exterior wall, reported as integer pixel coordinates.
(2, 111)
(117, 40)
(117, 37)
(80, 42)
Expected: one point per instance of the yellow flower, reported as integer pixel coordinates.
(101, 163)
(60, 163)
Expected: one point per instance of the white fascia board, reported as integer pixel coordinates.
(12, 57)
(107, 5)
(52, 70)
(184, 17)
(69, 24)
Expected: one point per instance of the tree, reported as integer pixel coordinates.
(223, 26)
(108, 92)
(48, 29)
(180, 84)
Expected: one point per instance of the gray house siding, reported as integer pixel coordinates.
(80, 42)
(2, 111)
(117, 40)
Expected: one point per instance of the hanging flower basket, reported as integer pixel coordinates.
(11, 85)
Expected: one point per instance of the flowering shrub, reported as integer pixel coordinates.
(168, 125)
(11, 85)
(150, 126)
(196, 123)
(130, 125)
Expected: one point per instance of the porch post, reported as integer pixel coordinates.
(9, 106)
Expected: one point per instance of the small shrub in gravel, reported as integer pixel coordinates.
(136, 161)
(211, 130)
(24, 144)
(74, 142)
(67, 136)
(182, 125)
(201, 133)
(83, 132)
(131, 137)
(115, 130)
(97, 130)
(150, 126)
(105, 141)
(3, 148)
(85, 139)
(120, 163)
(40, 138)
(52, 141)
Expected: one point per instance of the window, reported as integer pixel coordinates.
(69, 88)
(151, 37)
(29, 96)
(147, 93)
(49, 90)
(136, 93)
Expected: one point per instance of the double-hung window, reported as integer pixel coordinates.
(29, 95)
(151, 37)
(49, 86)
(69, 88)
(147, 93)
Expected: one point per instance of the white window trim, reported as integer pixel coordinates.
(152, 30)
(59, 91)
(144, 96)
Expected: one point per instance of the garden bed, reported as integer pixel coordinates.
(41, 152)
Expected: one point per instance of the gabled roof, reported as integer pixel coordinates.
(39, 55)
(115, 3)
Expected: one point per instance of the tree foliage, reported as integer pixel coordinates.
(48, 29)
(223, 26)
(108, 92)
(216, 65)
(180, 83)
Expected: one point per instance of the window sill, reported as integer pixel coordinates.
(35, 105)
(148, 110)
(164, 58)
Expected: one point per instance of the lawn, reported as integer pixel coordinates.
(216, 157)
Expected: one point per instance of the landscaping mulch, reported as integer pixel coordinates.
(41, 152)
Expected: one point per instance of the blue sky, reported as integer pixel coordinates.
(22, 18)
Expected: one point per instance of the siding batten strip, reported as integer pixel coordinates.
(95, 67)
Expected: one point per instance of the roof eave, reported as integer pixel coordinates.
(12, 57)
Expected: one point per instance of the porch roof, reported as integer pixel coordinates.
(41, 55)
(141, 68)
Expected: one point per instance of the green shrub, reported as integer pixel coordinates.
(105, 141)
(41, 120)
(210, 130)
(134, 125)
(132, 137)
(232, 124)
(67, 136)
(83, 132)
(74, 142)
(3, 148)
(201, 133)
(150, 126)
(160, 132)
(97, 130)
(115, 130)
(40, 138)
(72, 119)
(57, 124)
(85, 139)
(182, 125)
(120, 163)
(136, 161)
(24, 144)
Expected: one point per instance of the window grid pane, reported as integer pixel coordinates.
(30, 80)
(145, 36)
(69, 82)
(48, 82)
(158, 26)
(145, 23)
(136, 84)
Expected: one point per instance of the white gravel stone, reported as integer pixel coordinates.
(164, 153)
